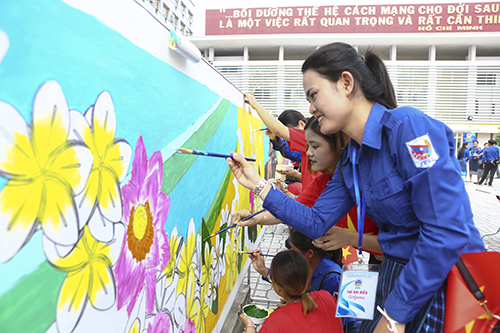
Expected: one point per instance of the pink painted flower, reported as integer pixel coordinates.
(161, 324)
(190, 327)
(145, 249)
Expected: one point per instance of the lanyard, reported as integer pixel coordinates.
(360, 201)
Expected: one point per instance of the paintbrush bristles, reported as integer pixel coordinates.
(184, 151)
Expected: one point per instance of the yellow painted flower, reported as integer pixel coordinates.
(206, 273)
(194, 308)
(186, 264)
(90, 276)
(44, 172)
(175, 255)
(232, 263)
(100, 204)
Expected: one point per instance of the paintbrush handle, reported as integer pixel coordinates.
(252, 215)
(206, 153)
(262, 254)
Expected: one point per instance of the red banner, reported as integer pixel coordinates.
(450, 17)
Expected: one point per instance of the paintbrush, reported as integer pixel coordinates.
(206, 153)
(261, 129)
(235, 224)
(262, 254)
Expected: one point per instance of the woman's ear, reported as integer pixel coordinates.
(347, 81)
(309, 254)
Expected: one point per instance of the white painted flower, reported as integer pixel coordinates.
(44, 171)
(100, 204)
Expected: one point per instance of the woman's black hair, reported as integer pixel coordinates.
(291, 118)
(369, 71)
(290, 271)
(460, 154)
(336, 141)
(304, 243)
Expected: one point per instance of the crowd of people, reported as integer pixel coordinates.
(360, 154)
(483, 162)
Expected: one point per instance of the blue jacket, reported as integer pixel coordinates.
(285, 150)
(331, 281)
(414, 192)
(490, 153)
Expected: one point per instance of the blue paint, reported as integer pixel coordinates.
(203, 178)
(50, 40)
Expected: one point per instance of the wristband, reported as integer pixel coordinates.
(266, 278)
(391, 321)
(258, 188)
(255, 327)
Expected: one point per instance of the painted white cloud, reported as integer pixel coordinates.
(4, 45)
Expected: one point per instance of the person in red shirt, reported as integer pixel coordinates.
(293, 134)
(303, 311)
(323, 154)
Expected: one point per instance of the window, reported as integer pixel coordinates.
(166, 11)
(175, 20)
(183, 28)
(486, 79)
(157, 4)
(183, 8)
(190, 16)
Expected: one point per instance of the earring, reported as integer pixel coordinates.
(346, 92)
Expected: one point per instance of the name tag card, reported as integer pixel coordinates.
(358, 288)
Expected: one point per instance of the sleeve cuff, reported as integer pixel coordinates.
(399, 310)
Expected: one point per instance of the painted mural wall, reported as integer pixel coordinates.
(103, 227)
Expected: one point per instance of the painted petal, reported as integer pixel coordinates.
(102, 290)
(72, 301)
(138, 288)
(109, 198)
(104, 122)
(130, 194)
(116, 243)
(79, 128)
(180, 311)
(59, 219)
(16, 153)
(153, 257)
(156, 163)
(162, 209)
(89, 115)
(100, 228)
(19, 205)
(118, 158)
(149, 191)
(140, 163)
(85, 202)
(73, 164)
(164, 249)
(150, 290)
(50, 119)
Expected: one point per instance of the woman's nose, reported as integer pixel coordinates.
(312, 109)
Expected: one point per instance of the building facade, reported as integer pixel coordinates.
(173, 14)
(442, 58)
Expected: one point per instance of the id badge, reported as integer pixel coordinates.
(358, 288)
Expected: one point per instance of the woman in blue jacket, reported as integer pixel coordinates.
(401, 164)
(463, 158)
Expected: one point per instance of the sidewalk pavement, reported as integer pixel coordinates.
(485, 207)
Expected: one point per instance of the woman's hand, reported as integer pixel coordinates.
(250, 100)
(258, 262)
(383, 326)
(292, 173)
(271, 135)
(244, 172)
(335, 238)
(246, 321)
